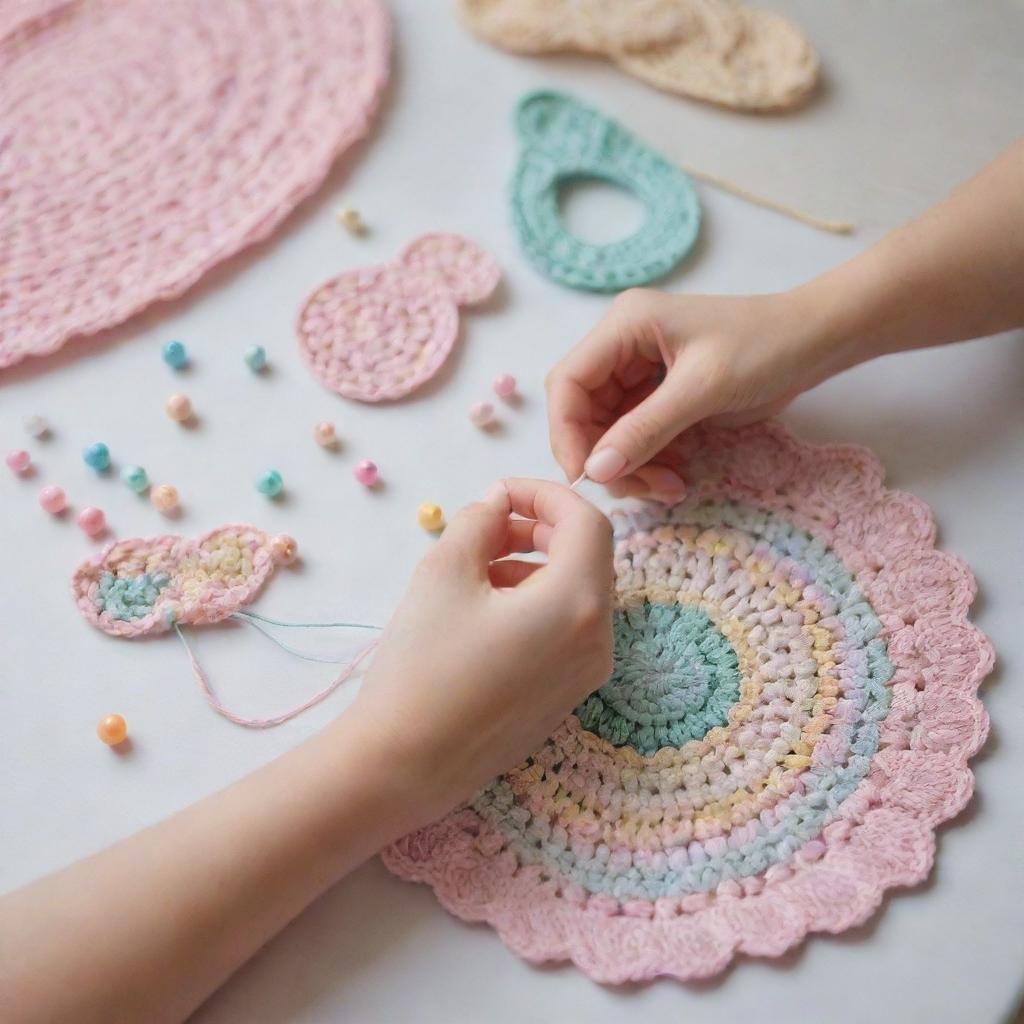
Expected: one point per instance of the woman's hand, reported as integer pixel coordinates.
(485, 657)
(656, 364)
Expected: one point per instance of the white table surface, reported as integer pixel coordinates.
(913, 102)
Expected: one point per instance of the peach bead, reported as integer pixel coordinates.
(179, 408)
(19, 460)
(481, 414)
(53, 499)
(325, 434)
(164, 498)
(284, 549)
(113, 729)
(430, 517)
(92, 521)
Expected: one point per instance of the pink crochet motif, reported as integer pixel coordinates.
(381, 332)
(142, 143)
(790, 716)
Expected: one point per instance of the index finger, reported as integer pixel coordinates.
(581, 536)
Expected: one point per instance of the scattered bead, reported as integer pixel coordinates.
(164, 498)
(113, 729)
(18, 460)
(98, 456)
(350, 219)
(175, 355)
(92, 521)
(504, 385)
(271, 483)
(325, 434)
(367, 473)
(53, 499)
(135, 477)
(481, 414)
(255, 358)
(37, 427)
(179, 408)
(284, 549)
(430, 517)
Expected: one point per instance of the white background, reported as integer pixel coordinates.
(916, 97)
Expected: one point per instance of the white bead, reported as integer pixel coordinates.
(37, 426)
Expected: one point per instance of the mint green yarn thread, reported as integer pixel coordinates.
(675, 678)
(564, 139)
(126, 598)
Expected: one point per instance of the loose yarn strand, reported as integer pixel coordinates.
(326, 659)
(835, 227)
(265, 723)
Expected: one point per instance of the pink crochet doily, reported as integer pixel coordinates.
(378, 333)
(791, 714)
(141, 143)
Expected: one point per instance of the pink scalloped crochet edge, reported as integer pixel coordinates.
(884, 835)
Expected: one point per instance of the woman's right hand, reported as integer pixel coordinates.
(486, 655)
(656, 364)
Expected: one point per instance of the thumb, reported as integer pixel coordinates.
(635, 438)
(477, 534)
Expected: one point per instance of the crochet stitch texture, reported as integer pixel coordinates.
(565, 139)
(143, 143)
(791, 714)
(378, 333)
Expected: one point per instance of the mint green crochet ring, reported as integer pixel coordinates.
(564, 139)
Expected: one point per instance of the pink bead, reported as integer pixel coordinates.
(367, 473)
(481, 413)
(92, 521)
(19, 460)
(504, 385)
(179, 408)
(53, 499)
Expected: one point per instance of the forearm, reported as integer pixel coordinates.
(148, 928)
(955, 273)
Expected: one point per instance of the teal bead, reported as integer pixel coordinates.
(271, 483)
(255, 358)
(175, 355)
(135, 477)
(98, 456)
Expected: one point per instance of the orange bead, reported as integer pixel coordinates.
(113, 729)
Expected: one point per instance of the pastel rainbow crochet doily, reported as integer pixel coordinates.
(790, 716)
(142, 143)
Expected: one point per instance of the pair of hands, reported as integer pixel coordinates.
(487, 654)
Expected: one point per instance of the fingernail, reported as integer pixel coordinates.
(497, 495)
(605, 464)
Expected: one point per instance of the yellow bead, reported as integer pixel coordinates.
(430, 517)
(113, 729)
(349, 218)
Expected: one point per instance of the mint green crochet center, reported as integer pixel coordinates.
(565, 140)
(675, 677)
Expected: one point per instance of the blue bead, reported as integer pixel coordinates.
(136, 478)
(255, 358)
(175, 355)
(97, 455)
(271, 484)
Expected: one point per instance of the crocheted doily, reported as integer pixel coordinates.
(139, 586)
(380, 332)
(563, 139)
(791, 714)
(142, 143)
(714, 50)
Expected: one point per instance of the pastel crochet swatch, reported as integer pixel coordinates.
(149, 585)
(565, 140)
(790, 716)
(145, 142)
(379, 333)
